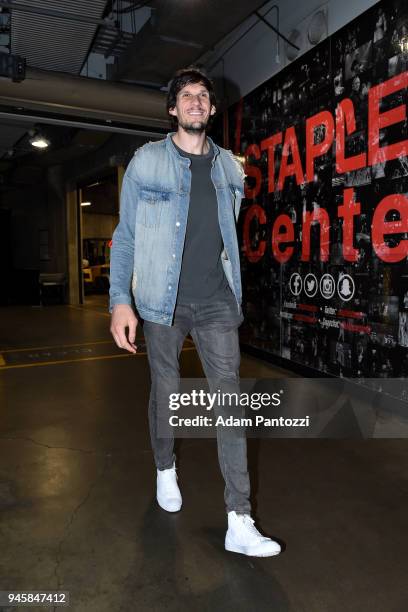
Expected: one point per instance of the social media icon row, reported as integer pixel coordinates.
(310, 285)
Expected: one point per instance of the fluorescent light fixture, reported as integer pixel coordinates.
(39, 142)
(86, 203)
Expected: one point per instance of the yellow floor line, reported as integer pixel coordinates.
(86, 309)
(80, 360)
(2, 362)
(60, 346)
(56, 346)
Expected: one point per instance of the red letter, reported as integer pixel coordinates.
(380, 228)
(269, 145)
(253, 171)
(345, 111)
(290, 146)
(253, 211)
(349, 210)
(316, 150)
(319, 215)
(377, 120)
(282, 237)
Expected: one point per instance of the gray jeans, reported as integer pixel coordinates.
(214, 329)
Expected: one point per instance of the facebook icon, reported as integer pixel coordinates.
(295, 283)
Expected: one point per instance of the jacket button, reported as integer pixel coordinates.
(178, 224)
(169, 287)
(174, 254)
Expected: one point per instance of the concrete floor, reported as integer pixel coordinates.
(77, 496)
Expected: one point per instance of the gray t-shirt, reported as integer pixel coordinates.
(202, 277)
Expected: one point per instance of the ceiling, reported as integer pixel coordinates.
(10, 132)
(144, 42)
(141, 43)
(50, 42)
(22, 165)
(179, 33)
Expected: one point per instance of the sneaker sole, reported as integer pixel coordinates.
(166, 509)
(250, 552)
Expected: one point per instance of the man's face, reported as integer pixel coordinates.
(193, 108)
(356, 84)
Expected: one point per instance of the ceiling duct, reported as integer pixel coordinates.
(53, 92)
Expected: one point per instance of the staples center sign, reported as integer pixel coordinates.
(324, 225)
(335, 129)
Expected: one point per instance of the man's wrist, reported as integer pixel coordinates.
(122, 300)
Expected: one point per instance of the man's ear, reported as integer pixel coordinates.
(213, 110)
(172, 111)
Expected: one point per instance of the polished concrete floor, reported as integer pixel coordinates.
(77, 498)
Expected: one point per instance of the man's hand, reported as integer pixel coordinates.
(123, 317)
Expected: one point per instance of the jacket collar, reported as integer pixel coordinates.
(173, 151)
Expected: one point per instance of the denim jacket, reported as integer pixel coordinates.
(147, 244)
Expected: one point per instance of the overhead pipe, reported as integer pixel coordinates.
(62, 93)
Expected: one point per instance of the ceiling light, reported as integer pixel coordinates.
(39, 142)
(86, 203)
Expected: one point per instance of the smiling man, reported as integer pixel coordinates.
(176, 247)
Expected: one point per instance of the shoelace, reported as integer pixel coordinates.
(167, 483)
(249, 523)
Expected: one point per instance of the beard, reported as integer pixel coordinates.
(193, 127)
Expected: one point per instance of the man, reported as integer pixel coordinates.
(176, 244)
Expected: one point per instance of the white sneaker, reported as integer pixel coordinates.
(168, 493)
(243, 537)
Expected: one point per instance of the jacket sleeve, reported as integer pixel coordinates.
(240, 179)
(123, 244)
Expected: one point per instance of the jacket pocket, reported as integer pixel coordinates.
(150, 205)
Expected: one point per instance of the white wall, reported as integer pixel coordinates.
(252, 60)
(343, 11)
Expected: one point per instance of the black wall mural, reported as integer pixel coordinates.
(324, 225)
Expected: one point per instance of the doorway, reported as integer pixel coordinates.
(98, 199)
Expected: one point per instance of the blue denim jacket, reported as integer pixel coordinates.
(147, 244)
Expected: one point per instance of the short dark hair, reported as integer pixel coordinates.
(184, 77)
